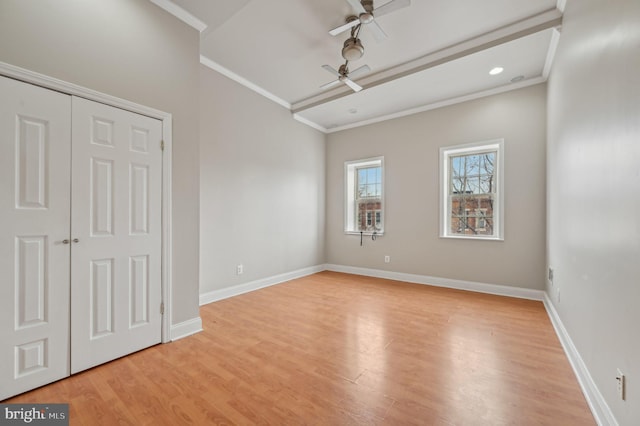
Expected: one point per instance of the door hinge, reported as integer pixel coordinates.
(162, 145)
(162, 308)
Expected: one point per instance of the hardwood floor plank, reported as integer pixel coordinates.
(339, 349)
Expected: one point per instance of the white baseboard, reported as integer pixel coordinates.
(186, 328)
(500, 290)
(599, 407)
(236, 290)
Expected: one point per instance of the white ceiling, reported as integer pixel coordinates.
(437, 52)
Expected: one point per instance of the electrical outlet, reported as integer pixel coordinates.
(551, 275)
(558, 294)
(387, 259)
(239, 269)
(621, 384)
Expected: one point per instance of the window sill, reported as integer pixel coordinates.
(469, 237)
(366, 233)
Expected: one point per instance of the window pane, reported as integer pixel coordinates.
(456, 166)
(486, 184)
(369, 182)
(364, 196)
(361, 190)
(371, 175)
(362, 176)
(472, 165)
(473, 186)
(488, 161)
(369, 215)
(471, 203)
(488, 228)
(471, 215)
(457, 186)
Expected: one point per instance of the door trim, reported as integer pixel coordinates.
(42, 80)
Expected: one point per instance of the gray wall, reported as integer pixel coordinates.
(594, 191)
(261, 189)
(410, 146)
(133, 50)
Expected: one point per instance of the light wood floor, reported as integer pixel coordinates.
(337, 349)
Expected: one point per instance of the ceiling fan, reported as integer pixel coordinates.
(367, 14)
(344, 76)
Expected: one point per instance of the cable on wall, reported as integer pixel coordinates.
(374, 236)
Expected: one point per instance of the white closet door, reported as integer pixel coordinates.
(116, 219)
(35, 143)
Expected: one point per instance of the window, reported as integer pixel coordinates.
(364, 211)
(471, 198)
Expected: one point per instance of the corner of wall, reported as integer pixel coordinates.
(186, 328)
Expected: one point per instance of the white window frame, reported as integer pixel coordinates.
(497, 146)
(350, 209)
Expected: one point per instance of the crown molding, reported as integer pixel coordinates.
(561, 5)
(309, 123)
(181, 14)
(243, 81)
(551, 53)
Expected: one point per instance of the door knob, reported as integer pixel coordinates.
(75, 240)
(65, 241)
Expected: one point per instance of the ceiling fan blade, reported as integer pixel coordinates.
(354, 86)
(343, 28)
(357, 6)
(331, 70)
(359, 71)
(392, 6)
(330, 84)
(376, 30)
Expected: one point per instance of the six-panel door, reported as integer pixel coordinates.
(116, 219)
(35, 172)
(80, 234)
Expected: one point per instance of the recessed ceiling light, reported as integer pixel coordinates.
(353, 111)
(496, 70)
(517, 78)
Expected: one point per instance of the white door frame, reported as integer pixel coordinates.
(42, 80)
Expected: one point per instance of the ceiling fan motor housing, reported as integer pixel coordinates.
(366, 18)
(353, 49)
